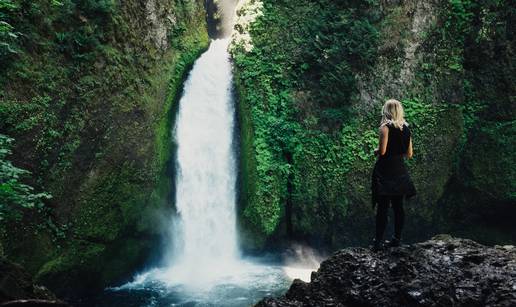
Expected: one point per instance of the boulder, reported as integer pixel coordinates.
(17, 288)
(443, 271)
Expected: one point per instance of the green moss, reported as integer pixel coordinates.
(82, 252)
(250, 236)
(492, 176)
(90, 266)
(291, 102)
(311, 96)
(76, 267)
(89, 98)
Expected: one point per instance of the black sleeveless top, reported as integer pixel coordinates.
(392, 163)
(390, 176)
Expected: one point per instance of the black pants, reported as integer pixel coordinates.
(381, 215)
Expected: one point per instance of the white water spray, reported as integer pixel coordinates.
(203, 265)
(301, 262)
(205, 193)
(205, 252)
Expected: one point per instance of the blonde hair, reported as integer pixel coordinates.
(392, 113)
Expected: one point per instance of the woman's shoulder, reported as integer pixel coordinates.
(406, 128)
(384, 127)
(387, 124)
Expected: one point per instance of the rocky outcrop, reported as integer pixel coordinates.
(18, 289)
(443, 271)
(34, 303)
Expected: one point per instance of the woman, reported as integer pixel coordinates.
(391, 181)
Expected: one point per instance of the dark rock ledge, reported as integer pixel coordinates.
(443, 271)
(17, 288)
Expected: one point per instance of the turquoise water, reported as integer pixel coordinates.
(245, 287)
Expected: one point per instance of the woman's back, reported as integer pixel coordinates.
(391, 163)
(398, 140)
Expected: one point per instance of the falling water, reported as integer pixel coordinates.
(203, 265)
(204, 229)
(205, 197)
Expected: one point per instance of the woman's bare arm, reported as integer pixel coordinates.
(410, 152)
(383, 139)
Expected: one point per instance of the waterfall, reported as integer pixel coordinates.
(206, 170)
(203, 266)
(204, 252)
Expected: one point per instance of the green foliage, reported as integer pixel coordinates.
(305, 127)
(296, 86)
(89, 99)
(15, 196)
(457, 25)
(495, 178)
(8, 34)
(422, 114)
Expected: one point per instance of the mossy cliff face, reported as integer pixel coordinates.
(87, 90)
(311, 79)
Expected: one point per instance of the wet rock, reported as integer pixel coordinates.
(443, 271)
(17, 288)
(34, 303)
